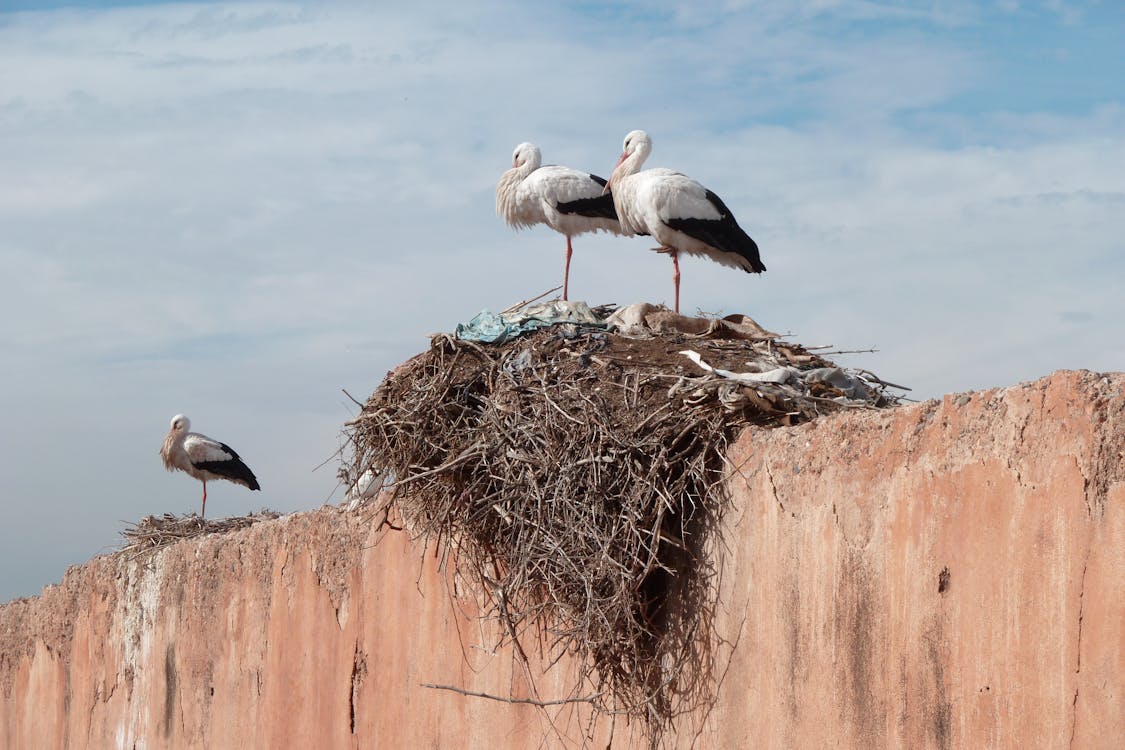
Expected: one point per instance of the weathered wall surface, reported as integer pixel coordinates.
(297, 633)
(951, 575)
(943, 575)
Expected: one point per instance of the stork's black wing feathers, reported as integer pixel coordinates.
(598, 207)
(722, 233)
(234, 469)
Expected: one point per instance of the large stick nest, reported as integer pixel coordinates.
(576, 477)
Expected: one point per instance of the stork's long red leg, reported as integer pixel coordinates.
(203, 512)
(566, 271)
(676, 277)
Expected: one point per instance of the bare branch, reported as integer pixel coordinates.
(536, 298)
(529, 701)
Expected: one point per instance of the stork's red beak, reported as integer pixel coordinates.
(613, 174)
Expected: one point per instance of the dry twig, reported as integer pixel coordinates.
(508, 699)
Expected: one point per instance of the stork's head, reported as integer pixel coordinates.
(637, 142)
(633, 154)
(180, 423)
(526, 154)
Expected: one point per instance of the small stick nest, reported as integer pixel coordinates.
(574, 478)
(153, 533)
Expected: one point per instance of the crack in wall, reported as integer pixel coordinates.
(773, 487)
(170, 702)
(359, 672)
(1078, 664)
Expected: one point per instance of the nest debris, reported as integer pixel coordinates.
(153, 532)
(574, 476)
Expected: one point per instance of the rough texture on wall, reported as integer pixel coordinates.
(941, 575)
(947, 576)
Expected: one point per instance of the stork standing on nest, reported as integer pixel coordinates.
(682, 215)
(567, 200)
(203, 458)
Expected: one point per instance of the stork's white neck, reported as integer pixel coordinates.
(637, 148)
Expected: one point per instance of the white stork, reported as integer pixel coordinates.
(567, 200)
(681, 214)
(203, 458)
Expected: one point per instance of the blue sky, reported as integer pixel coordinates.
(237, 210)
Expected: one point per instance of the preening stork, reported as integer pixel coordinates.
(682, 215)
(567, 200)
(203, 458)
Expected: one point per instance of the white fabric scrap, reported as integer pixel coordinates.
(777, 375)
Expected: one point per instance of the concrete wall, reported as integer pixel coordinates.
(943, 575)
